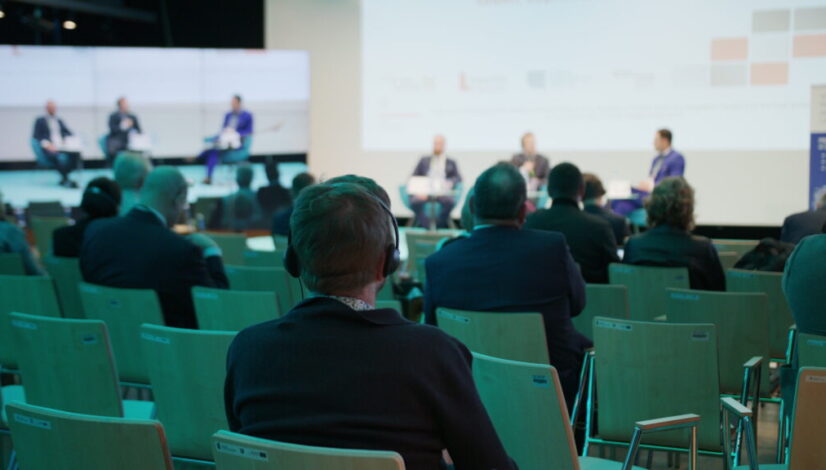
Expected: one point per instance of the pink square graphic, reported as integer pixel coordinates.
(810, 45)
(770, 73)
(729, 49)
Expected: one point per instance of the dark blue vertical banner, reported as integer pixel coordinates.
(817, 168)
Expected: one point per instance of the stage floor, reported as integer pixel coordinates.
(24, 186)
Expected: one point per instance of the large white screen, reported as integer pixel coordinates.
(178, 95)
(590, 74)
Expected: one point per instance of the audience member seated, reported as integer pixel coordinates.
(139, 250)
(802, 224)
(273, 197)
(443, 175)
(590, 237)
(281, 219)
(503, 268)
(51, 133)
(669, 241)
(593, 202)
(803, 282)
(100, 199)
(13, 240)
(239, 210)
(336, 372)
(533, 166)
(130, 172)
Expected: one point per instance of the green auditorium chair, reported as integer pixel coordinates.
(811, 350)
(11, 264)
(233, 310)
(65, 273)
(42, 228)
(386, 292)
(394, 304)
(420, 245)
(780, 315)
(728, 258)
(263, 259)
(233, 246)
(646, 287)
(29, 294)
(267, 279)
(740, 247)
(603, 300)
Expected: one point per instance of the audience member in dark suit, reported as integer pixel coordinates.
(590, 238)
(273, 197)
(443, 173)
(503, 268)
(121, 124)
(387, 383)
(100, 199)
(239, 210)
(13, 240)
(140, 251)
(594, 204)
(281, 219)
(533, 166)
(803, 224)
(50, 131)
(669, 241)
(803, 282)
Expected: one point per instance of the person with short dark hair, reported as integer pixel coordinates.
(590, 237)
(239, 210)
(273, 197)
(802, 224)
(281, 219)
(669, 241)
(667, 164)
(387, 383)
(502, 268)
(101, 199)
(13, 240)
(593, 203)
(533, 166)
(122, 122)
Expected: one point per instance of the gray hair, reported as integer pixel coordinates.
(131, 169)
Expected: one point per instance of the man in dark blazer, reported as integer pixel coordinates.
(438, 167)
(140, 251)
(533, 166)
(591, 238)
(802, 224)
(336, 372)
(593, 203)
(502, 268)
(49, 131)
(121, 124)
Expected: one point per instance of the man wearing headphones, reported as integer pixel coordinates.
(335, 371)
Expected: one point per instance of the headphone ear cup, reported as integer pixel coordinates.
(291, 264)
(392, 261)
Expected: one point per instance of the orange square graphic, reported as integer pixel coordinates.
(729, 49)
(770, 73)
(810, 45)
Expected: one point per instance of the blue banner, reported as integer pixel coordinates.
(817, 169)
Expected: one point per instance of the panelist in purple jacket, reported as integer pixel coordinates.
(235, 130)
(667, 163)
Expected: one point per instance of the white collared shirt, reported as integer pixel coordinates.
(438, 167)
(55, 137)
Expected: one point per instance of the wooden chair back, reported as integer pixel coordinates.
(65, 273)
(233, 246)
(780, 315)
(234, 451)
(603, 300)
(124, 311)
(739, 247)
(514, 336)
(233, 310)
(11, 264)
(646, 287)
(811, 350)
(27, 294)
(420, 245)
(42, 229)
(807, 451)
(67, 364)
(60, 440)
(265, 279)
(187, 369)
(650, 369)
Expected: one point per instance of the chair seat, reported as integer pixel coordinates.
(138, 409)
(594, 463)
(11, 393)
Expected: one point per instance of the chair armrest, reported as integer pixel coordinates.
(667, 423)
(663, 424)
(735, 407)
(755, 361)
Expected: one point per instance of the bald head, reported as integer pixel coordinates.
(51, 107)
(165, 191)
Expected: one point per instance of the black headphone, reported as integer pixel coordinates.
(392, 259)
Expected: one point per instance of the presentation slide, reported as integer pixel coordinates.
(179, 96)
(590, 74)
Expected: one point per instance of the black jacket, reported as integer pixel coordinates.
(802, 224)
(118, 139)
(619, 224)
(138, 251)
(591, 238)
(41, 129)
(328, 375)
(66, 241)
(664, 245)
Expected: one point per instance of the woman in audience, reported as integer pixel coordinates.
(803, 282)
(13, 240)
(100, 199)
(669, 241)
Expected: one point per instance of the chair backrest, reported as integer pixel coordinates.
(386, 292)
(811, 350)
(59, 440)
(233, 310)
(741, 247)
(528, 411)
(65, 273)
(27, 294)
(514, 336)
(11, 264)
(280, 243)
(646, 287)
(124, 311)
(263, 259)
(234, 451)
(728, 258)
(780, 315)
(807, 451)
(420, 245)
(650, 369)
(267, 279)
(203, 207)
(394, 304)
(604, 300)
(42, 228)
(187, 369)
(39, 154)
(67, 364)
(742, 322)
(233, 246)
(45, 209)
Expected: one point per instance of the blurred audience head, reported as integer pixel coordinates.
(662, 140)
(821, 201)
(439, 142)
(565, 182)
(594, 191)
(528, 143)
(130, 170)
(243, 176)
(367, 183)
(301, 181)
(271, 169)
(672, 203)
(101, 198)
(165, 191)
(499, 196)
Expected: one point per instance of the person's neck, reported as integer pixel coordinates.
(367, 294)
(592, 202)
(482, 223)
(666, 151)
(157, 211)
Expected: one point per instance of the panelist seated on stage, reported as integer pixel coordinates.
(60, 147)
(236, 128)
(122, 123)
(667, 164)
(443, 176)
(533, 166)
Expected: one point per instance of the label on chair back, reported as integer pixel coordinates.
(23, 324)
(683, 296)
(155, 338)
(816, 379)
(206, 295)
(89, 339)
(613, 325)
(241, 451)
(38, 423)
(700, 336)
(818, 343)
(541, 381)
(454, 317)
